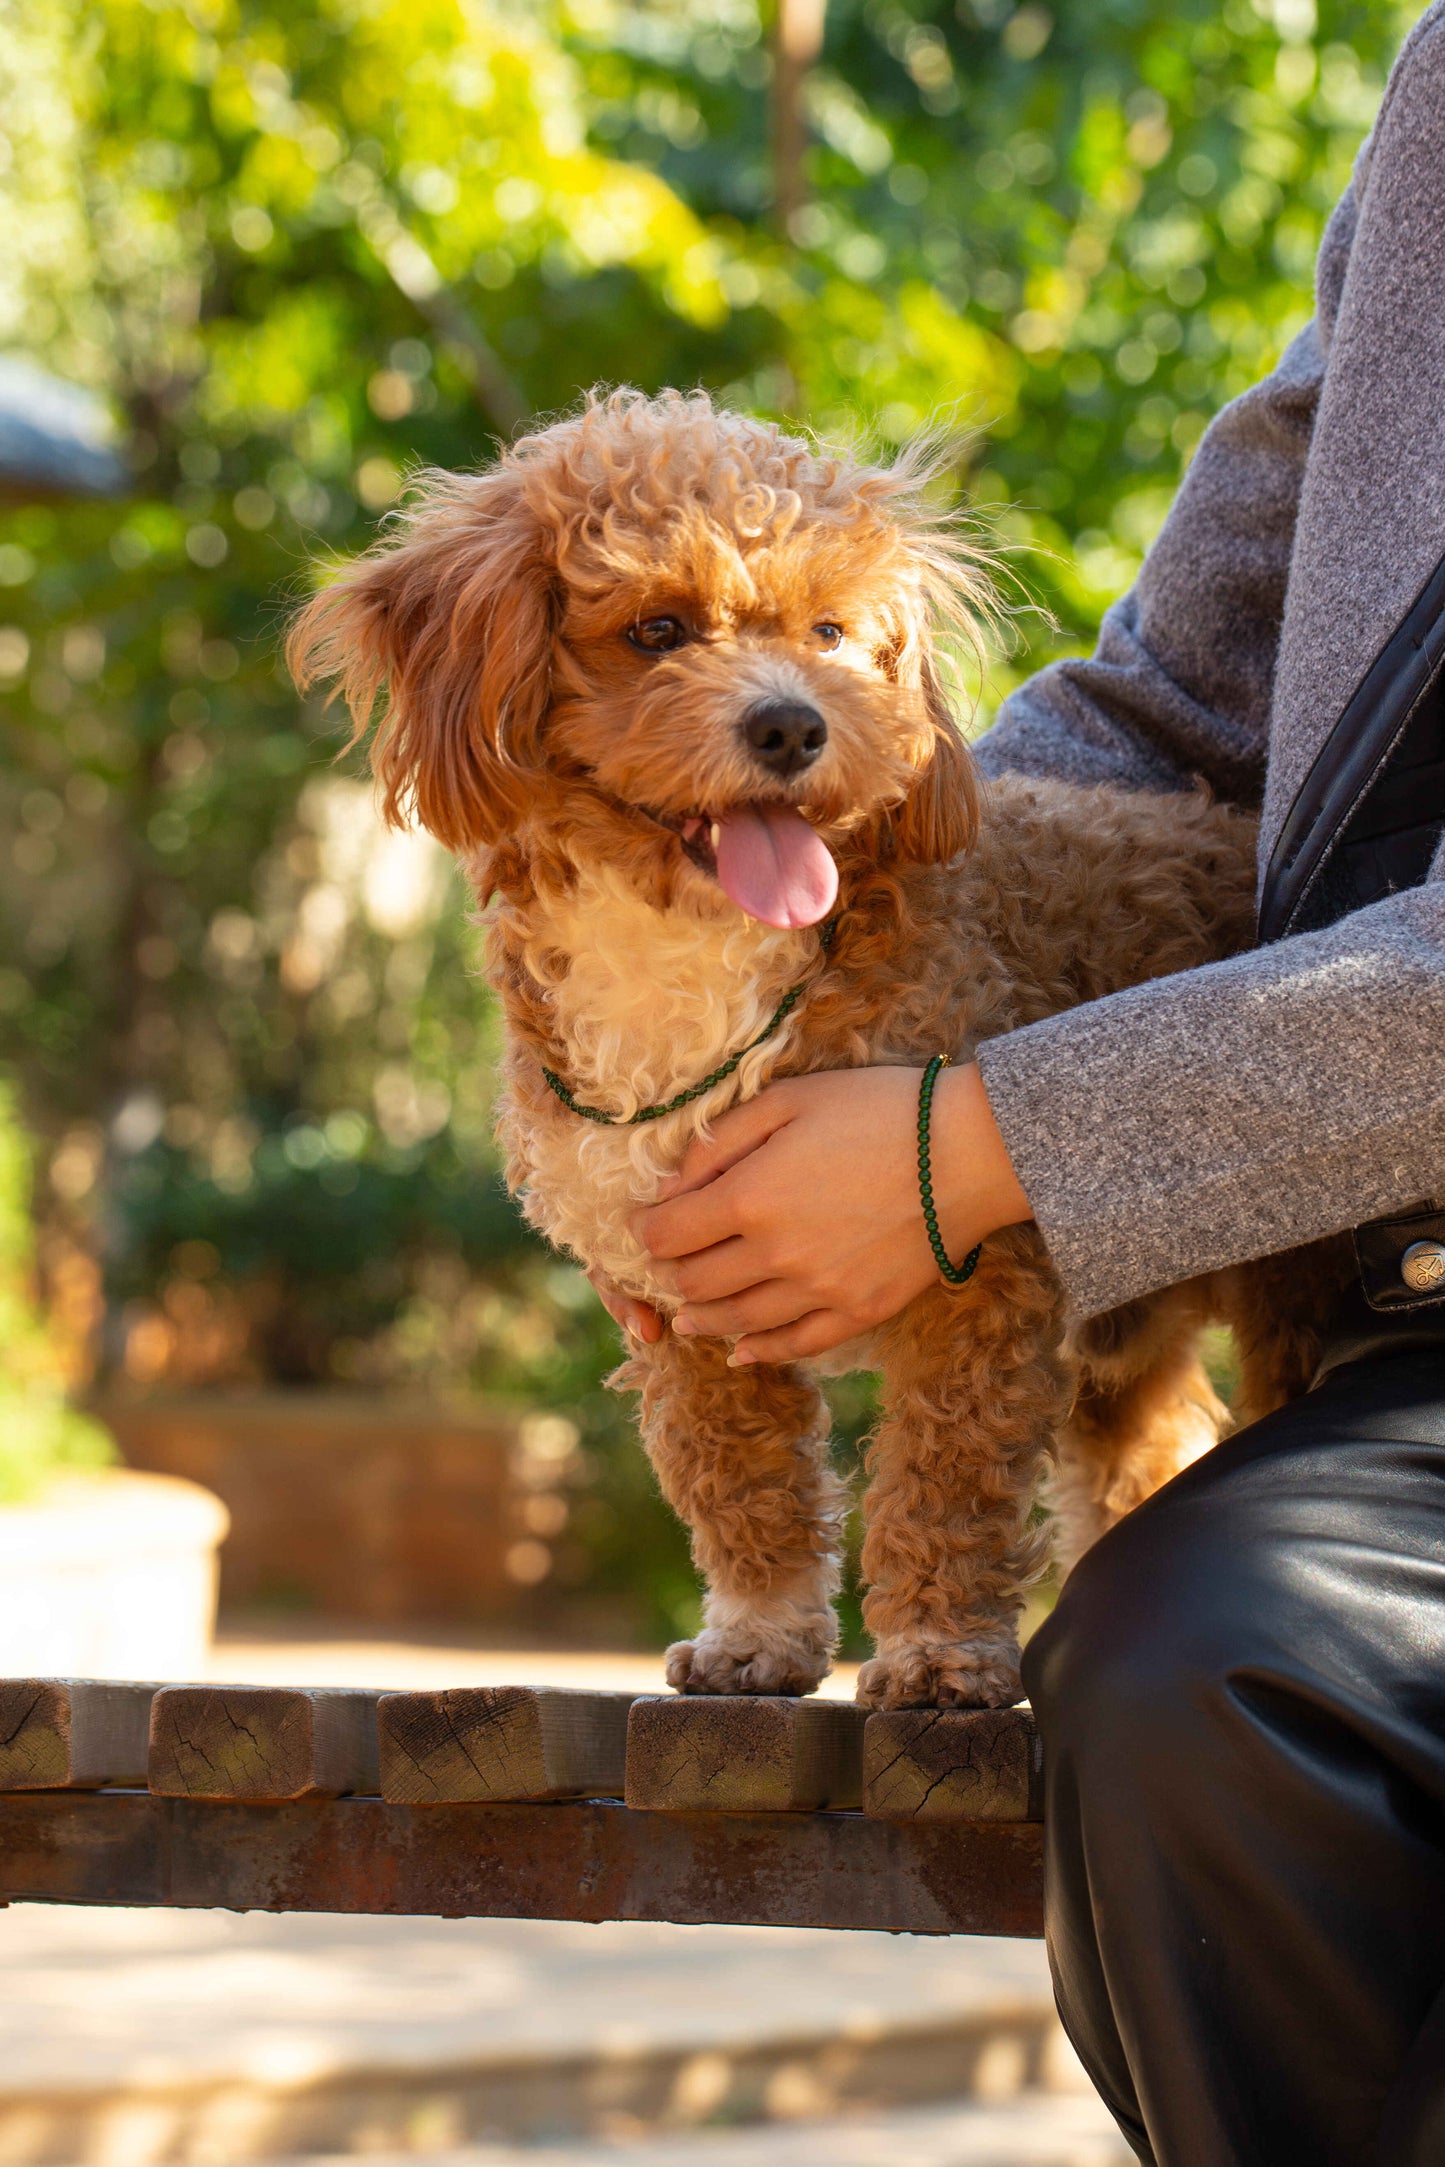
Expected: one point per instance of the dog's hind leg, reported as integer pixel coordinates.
(1278, 1309)
(1145, 1409)
(742, 1457)
(974, 1389)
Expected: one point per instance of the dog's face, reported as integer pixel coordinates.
(670, 637)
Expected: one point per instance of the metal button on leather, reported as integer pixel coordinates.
(1422, 1267)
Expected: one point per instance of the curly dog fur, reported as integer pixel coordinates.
(578, 775)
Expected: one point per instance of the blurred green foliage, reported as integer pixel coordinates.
(41, 1435)
(1081, 226)
(300, 250)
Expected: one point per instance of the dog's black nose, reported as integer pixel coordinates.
(785, 735)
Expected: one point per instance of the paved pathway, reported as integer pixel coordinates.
(129, 2038)
(117, 1997)
(1031, 2132)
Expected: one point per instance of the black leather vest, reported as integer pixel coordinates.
(1370, 813)
(1366, 823)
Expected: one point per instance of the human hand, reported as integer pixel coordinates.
(639, 1319)
(798, 1224)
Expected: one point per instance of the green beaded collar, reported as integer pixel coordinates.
(779, 1017)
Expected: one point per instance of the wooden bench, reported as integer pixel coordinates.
(520, 1802)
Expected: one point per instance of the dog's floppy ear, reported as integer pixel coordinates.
(938, 818)
(453, 616)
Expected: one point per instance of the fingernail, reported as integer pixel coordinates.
(684, 1326)
(740, 1361)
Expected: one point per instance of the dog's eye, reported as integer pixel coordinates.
(831, 635)
(657, 635)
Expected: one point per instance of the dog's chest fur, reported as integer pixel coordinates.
(641, 1004)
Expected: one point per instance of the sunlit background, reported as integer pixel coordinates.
(287, 254)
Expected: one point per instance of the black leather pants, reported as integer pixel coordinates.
(1242, 1699)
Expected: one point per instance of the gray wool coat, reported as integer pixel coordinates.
(1297, 1090)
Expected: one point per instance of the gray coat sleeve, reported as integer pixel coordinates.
(1199, 1120)
(1233, 1111)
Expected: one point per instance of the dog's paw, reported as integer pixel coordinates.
(736, 1662)
(983, 1674)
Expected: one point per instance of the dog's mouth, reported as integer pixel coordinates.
(764, 856)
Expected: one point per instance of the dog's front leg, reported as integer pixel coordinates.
(974, 1391)
(742, 1457)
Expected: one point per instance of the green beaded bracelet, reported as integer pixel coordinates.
(955, 1275)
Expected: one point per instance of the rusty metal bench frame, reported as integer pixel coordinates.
(587, 1859)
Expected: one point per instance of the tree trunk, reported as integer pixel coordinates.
(797, 42)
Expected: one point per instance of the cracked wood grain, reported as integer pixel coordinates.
(72, 1733)
(744, 1753)
(262, 1744)
(501, 1744)
(952, 1764)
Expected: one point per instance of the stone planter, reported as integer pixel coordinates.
(364, 1508)
(111, 1575)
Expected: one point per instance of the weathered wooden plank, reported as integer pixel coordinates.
(73, 1733)
(953, 1764)
(262, 1742)
(583, 1860)
(483, 1744)
(744, 1753)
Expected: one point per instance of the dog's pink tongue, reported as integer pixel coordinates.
(773, 865)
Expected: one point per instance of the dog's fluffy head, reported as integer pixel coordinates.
(658, 633)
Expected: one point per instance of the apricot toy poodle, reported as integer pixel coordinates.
(665, 677)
